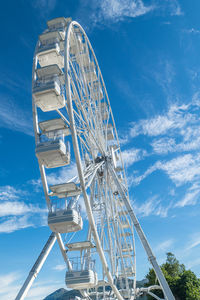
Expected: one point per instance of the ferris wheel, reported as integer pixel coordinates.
(90, 214)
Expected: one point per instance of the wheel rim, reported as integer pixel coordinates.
(100, 149)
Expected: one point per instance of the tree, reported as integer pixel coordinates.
(184, 284)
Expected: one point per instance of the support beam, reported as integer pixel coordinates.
(37, 267)
(163, 283)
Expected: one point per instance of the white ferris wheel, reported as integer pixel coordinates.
(89, 212)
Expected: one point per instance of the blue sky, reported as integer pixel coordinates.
(148, 52)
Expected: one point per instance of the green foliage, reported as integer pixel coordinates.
(183, 283)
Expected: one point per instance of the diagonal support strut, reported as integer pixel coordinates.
(36, 267)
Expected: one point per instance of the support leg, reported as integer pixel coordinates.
(37, 267)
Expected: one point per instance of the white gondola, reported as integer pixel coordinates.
(47, 91)
(125, 224)
(53, 125)
(90, 73)
(81, 279)
(127, 248)
(96, 90)
(82, 57)
(64, 221)
(53, 154)
(104, 111)
(58, 23)
(80, 246)
(110, 133)
(48, 96)
(63, 190)
(126, 234)
(49, 51)
(118, 169)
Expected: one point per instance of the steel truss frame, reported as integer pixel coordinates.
(86, 134)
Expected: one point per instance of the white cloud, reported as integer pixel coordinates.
(151, 206)
(171, 7)
(8, 192)
(11, 283)
(60, 267)
(15, 208)
(180, 170)
(176, 118)
(113, 11)
(63, 175)
(132, 155)
(117, 10)
(8, 286)
(164, 246)
(191, 197)
(14, 118)
(194, 241)
(15, 213)
(14, 223)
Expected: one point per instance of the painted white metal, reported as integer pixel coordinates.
(64, 221)
(53, 125)
(92, 127)
(69, 189)
(81, 279)
(79, 166)
(53, 154)
(37, 267)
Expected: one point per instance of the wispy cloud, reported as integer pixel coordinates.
(176, 118)
(151, 206)
(59, 267)
(63, 175)
(132, 155)
(107, 12)
(14, 223)
(15, 118)
(11, 283)
(194, 241)
(169, 7)
(117, 10)
(180, 170)
(191, 197)
(15, 213)
(8, 192)
(164, 246)
(17, 208)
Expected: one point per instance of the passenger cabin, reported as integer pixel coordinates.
(51, 149)
(104, 111)
(82, 275)
(58, 23)
(85, 279)
(96, 90)
(47, 90)
(63, 190)
(127, 248)
(90, 73)
(82, 57)
(50, 48)
(110, 133)
(65, 220)
(125, 224)
(80, 246)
